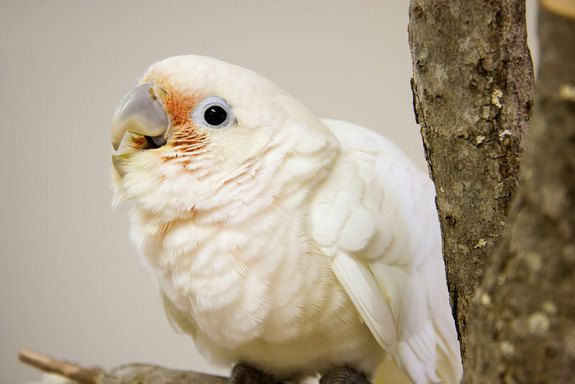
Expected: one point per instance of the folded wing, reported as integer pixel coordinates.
(375, 217)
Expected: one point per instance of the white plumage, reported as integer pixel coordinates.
(283, 241)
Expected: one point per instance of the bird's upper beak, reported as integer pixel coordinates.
(141, 112)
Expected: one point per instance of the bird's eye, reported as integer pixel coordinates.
(213, 112)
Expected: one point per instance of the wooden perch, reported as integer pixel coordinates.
(125, 374)
(62, 368)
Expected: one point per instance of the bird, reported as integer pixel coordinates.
(280, 241)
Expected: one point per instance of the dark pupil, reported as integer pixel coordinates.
(215, 115)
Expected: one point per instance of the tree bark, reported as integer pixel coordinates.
(522, 324)
(472, 92)
(134, 373)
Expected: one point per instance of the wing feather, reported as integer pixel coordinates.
(367, 296)
(376, 218)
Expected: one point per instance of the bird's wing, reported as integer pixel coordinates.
(375, 216)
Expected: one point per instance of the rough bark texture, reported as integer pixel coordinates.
(522, 324)
(151, 374)
(472, 92)
(126, 374)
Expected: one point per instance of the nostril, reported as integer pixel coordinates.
(155, 142)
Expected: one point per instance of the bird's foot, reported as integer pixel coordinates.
(243, 373)
(344, 375)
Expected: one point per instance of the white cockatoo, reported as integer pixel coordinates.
(280, 240)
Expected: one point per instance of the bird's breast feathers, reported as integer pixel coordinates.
(249, 280)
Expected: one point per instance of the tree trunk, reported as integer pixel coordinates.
(472, 92)
(522, 325)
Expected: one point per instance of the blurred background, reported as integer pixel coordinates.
(71, 284)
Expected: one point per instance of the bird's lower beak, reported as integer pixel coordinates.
(141, 112)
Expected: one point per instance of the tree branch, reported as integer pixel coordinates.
(62, 368)
(126, 374)
(522, 326)
(472, 87)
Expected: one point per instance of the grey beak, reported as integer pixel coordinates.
(139, 112)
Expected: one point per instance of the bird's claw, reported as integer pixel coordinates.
(243, 373)
(344, 375)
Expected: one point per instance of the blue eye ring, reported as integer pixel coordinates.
(213, 112)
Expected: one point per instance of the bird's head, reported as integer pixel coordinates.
(198, 134)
